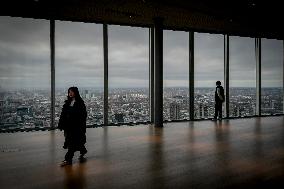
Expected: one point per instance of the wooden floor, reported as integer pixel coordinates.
(241, 153)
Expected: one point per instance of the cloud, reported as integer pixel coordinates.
(176, 56)
(16, 31)
(25, 56)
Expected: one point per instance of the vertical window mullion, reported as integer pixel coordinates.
(52, 64)
(105, 45)
(226, 75)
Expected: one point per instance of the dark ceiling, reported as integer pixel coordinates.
(238, 17)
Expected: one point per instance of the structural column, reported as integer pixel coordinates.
(151, 68)
(105, 45)
(52, 67)
(283, 75)
(258, 75)
(226, 75)
(191, 75)
(158, 73)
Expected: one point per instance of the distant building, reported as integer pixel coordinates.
(174, 111)
(87, 95)
(1, 104)
(203, 110)
(23, 110)
(119, 117)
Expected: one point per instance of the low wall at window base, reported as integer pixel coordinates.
(12, 130)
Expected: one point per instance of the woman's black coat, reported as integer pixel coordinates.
(73, 122)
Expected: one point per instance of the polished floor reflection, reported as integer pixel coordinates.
(241, 153)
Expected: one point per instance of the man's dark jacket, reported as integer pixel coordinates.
(217, 99)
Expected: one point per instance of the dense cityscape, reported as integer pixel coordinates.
(26, 109)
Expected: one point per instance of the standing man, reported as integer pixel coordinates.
(219, 99)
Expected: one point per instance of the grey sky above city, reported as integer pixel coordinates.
(25, 56)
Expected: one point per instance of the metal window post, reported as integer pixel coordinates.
(52, 67)
(191, 75)
(105, 45)
(158, 70)
(227, 75)
(258, 75)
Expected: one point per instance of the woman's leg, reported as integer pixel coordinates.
(83, 150)
(69, 155)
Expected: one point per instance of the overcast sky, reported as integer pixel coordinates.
(25, 56)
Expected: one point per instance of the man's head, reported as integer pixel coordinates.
(218, 83)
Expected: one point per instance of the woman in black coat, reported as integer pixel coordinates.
(73, 122)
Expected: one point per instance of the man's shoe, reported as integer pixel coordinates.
(214, 119)
(64, 163)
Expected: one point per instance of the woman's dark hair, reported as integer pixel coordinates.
(77, 95)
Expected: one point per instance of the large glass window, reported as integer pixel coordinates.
(128, 74)
(24, 73)
(272, 76)
(209, 68)
(79, 62)
(242, 76)
(176, 75)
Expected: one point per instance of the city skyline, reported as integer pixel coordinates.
(31, 109)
